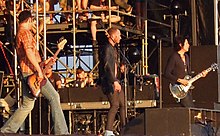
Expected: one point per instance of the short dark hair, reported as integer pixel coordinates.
(112, 30)
(24, 15)
(79, 70)
(179, 40)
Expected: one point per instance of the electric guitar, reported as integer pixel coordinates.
(32, 81)
(180, 91)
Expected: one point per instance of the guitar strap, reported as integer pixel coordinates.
(188, 64)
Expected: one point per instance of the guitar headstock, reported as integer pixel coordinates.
(214, 66)
(61, 43)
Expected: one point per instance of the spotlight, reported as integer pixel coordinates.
(175, 7)
(7, 43)
(134, 55)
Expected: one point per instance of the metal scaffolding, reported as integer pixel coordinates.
(217, 34)
(142, 68)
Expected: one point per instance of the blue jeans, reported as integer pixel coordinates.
(17, 119)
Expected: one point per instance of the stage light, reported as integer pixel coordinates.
(134, 55)
(175, 7)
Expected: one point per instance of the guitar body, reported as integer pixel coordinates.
(34, 85)
(179, 91)
(32, 81)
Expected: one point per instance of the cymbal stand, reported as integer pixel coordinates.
(127, 63)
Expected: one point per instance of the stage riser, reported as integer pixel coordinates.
(172, 122)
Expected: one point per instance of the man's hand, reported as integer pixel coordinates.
(40, 76)
(117, 86)
(51, 60)
(183, 81)
(204, 73)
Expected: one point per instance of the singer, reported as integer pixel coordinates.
(109, 82)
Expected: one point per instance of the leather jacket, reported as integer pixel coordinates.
(108, 59)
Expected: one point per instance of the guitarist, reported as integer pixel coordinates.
(29, 62)
(178, 67)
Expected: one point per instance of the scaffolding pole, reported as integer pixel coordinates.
(216, 32)
(144, 51)
(194, 27)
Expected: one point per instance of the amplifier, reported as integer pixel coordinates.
(175, 122)
(95, 94)
(105, 105)
(87, 94)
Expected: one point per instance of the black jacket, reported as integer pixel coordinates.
(175, 67)
(108, 59)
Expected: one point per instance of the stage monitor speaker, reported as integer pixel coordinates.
(205, 92)
(174, 122)
(135, 127)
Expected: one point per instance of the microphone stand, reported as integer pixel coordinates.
(8, 50)
(127, 62)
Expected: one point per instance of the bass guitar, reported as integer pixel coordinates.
(32, 81)
(180, 91)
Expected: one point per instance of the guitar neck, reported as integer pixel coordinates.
(50, 63)
(198, 76)
(56, 53)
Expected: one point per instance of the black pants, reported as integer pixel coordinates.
(187, 101)
(117, 101)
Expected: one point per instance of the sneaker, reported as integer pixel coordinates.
(109, 133)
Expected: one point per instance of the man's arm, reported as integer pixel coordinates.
(108, 58)
(114, 8)
(110, 71)
(34, 62)
(58, 84)
(58, 80)
(169, 69)
(94, 7)
(169, 72)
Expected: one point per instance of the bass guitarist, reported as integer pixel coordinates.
(29, 60)
(177, 67)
